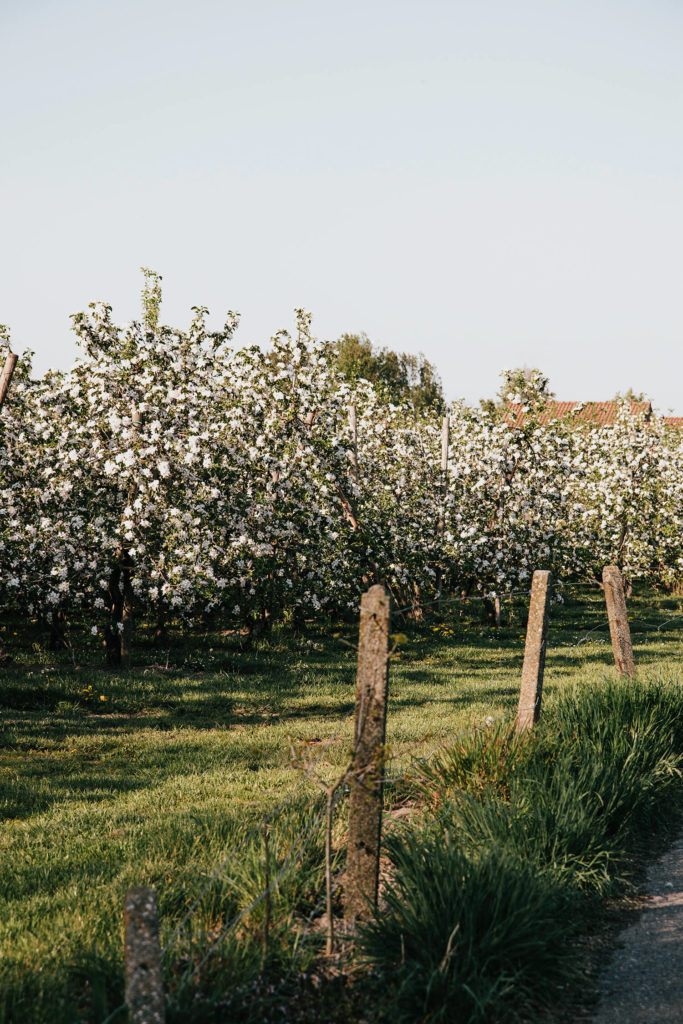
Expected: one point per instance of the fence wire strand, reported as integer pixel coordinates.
(304, 836)
(446, 742)
(293, 853)
(256, 829)
(582, 640)
(444, 602)
(305, 929)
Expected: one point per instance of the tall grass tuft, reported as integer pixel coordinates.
(460, 934)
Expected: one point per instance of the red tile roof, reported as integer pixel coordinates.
(598, 413)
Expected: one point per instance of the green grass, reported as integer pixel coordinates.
(488, 893)
(159, 782)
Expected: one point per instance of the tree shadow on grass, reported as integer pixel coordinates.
(95, 757)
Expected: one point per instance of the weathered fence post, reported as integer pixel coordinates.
(618, 621)
(6, 375)
(529, 710)
(367, 772)
(144, 981)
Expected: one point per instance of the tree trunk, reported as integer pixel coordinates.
(112, 634)
(126, 616)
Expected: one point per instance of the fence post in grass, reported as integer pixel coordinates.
(618, 621)
(144, 981)
(531, 691)
(6, 375)
(367, 771)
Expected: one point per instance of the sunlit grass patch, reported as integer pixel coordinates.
(160, 782)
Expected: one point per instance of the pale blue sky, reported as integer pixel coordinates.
(495, 183)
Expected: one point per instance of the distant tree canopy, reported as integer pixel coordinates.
(630, 396)
(524, 385)
(397, 376)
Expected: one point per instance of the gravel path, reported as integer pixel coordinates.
(643, 982)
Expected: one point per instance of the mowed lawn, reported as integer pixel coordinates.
(154, 775)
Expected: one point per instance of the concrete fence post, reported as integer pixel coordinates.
(144, 981)
(618, 621)
(367, 772)
(531, 691)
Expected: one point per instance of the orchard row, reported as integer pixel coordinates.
(173, 474)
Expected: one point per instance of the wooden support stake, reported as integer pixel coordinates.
(144, 981)
(353, 426)
(445, 441)
(127, 611)
(618, 621)
(6, 376)
(531, 691)
(265, 832)
(127, 616)
(441, 525)
(367, 772)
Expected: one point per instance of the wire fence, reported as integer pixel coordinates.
(296, 849)
(441, 602)
(417, 762)
(395, 774)
(306, 933)
(306, 834)
(406, 774)
(255, 831)
(307, 936)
